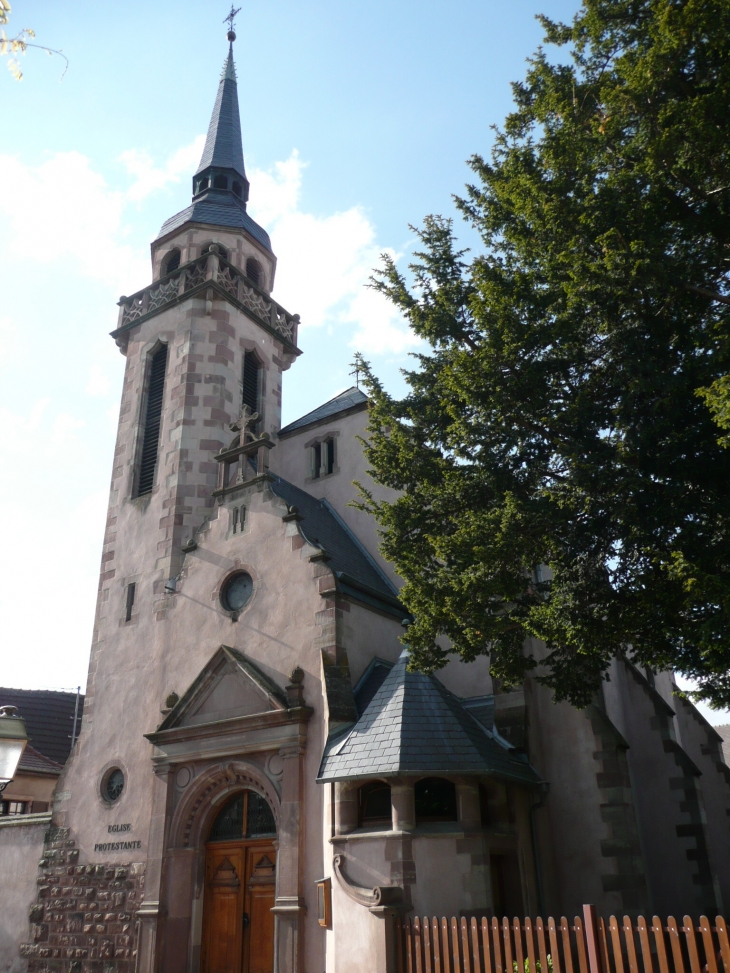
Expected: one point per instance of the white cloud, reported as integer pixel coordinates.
(9, 340)
(324, 262)
(99, 382)
(150, 177)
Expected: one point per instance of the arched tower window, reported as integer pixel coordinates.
(253, 271)
(245, 815)
(156, 367)
(171, 262)
(435, 800)
(220, 182)
(252, 372)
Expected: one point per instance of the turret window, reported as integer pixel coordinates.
(435, 800)
(237, 188)
(375, 807)
(220, 182)
(152, 421)
(203, 185)
(253, 271)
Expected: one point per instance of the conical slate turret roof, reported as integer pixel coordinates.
(220, 186)
(223, 145)
(415, 726)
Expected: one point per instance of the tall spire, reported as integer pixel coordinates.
(220, 186)
(223, 145)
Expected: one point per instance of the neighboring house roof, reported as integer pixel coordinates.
(351, 400)
(49, 718)
(356, 571)
(724, 732)
(414, 726)
(33, 762)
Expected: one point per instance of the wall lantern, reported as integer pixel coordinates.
(324, 903)
(13, 739)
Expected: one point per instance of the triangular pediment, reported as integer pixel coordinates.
(229, 686)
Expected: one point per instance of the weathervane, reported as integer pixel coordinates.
(229, 20)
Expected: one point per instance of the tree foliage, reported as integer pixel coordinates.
(562, 414)
(20, 44)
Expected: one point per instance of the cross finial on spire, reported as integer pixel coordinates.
(229, 20)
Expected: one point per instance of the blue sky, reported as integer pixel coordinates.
(358, 118)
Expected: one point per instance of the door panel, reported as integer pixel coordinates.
(240, 884)
(260, 891)
(223, 907)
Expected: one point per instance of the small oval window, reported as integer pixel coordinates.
(113, 785)
(237, 591)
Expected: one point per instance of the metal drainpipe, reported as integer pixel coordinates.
(544, 788)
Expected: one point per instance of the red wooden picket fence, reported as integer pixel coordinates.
(587, 945)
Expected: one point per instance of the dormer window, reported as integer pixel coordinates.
(253, 271)
(220, 182)
(322, 458)
(171, 262)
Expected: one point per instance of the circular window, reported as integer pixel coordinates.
(237, 591)
(113, 785)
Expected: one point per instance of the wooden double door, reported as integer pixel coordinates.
(238, 924)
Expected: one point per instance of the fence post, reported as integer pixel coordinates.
(590, 927)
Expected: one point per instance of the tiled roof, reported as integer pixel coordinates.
(370, 682)
(223, 145)
(355, 569)
(35, 762)
(352, 398)
(218, 208)
(413, 726)
(49, 718)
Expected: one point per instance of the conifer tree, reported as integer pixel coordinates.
(562, 475)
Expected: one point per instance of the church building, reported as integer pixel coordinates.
(259, 783)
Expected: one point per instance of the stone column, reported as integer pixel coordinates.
(148, 913)
(289, 907)
(403, 805)
(346, 810)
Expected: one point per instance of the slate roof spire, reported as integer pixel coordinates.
(223, 145)
(220, 186)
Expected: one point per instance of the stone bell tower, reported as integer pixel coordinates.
(205, 344)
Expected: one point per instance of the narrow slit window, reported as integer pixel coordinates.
(235, 519)
(131, 591)
(330, 456)
(316, 461)
(152, 422)
(252, 385)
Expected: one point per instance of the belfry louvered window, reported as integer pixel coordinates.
(252, 384)
(152, 421)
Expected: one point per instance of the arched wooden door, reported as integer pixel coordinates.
(240, 885)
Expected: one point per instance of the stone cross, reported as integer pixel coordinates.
(247, 418)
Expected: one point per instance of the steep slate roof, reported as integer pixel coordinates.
(415, 726)
(34, 762)
(351, 399)
(223, 150)
(724, 732)
(356, 571)
(223, 144)
(49, 718)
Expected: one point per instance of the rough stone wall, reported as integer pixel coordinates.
(83, 918)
